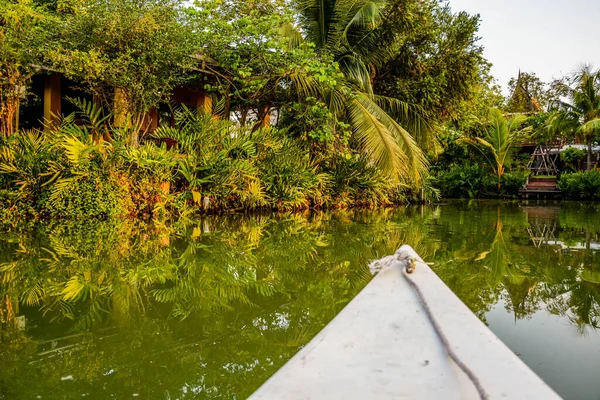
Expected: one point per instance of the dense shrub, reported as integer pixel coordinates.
(289, 179)
(98, 195)
(354, 181)
(571, 157)
(474, 180)
(464, 181)
(72, 171)
(580, 185)
(511, 182)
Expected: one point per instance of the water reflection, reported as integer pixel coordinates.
(532, 257)
(535, 280)
(212, 309)
(204, 310)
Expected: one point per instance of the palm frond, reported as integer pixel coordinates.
(590, 127)
(292, 34)
(368, 15)
(411, 117)
(356, 72)
(377, 140)
(76, 150)
(304, 84)
(412, 155)
(90, 112)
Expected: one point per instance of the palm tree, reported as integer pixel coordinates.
(347, 31)
(582, 109)
(500, 137)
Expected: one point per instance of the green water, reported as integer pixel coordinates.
(211, 309)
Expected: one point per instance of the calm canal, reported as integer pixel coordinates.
(212, 308)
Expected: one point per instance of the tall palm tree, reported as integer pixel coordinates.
(347, 31)
(582, 109)
(500, 137)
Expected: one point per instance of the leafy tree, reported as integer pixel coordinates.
(499, 139)
(252, 67)
(580, 113)
(557, 89)
(471, 115)
(352, 34)
(266, 60)
(550, 126)
(23, 35)
(437, 63)
(130, 54)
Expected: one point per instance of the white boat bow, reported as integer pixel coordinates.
(383, 345)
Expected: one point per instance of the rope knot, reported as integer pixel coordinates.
(411, 265)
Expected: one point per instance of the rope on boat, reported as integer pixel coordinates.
(406, 272)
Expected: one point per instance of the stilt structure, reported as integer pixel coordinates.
(542, 162)
(542, 181)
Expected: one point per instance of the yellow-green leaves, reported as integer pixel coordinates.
(499, 139)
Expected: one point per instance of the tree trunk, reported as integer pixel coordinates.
(10, 99)
(120, 108)
(123, 116)
(8, 113)
(18, 110)
(589, 153)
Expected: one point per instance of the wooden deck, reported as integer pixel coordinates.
(541, 188)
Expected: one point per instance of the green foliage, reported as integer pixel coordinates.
(580, 185)
(475, 181)
(336, 73)
(24, 32)
(72, 171)
(289, 178)
(436, 62)
(237, 168)
(25, 163)
(258, 67)
(353, 34)
(139, 48)
(265, 62)
(513, 181)
(463, 181)
(310, 118)
(451, 152)
(571, 157)
(360, 89)
(96, 195)
(150, 160)
(218, 161)
(355, 182)
(580, 114)
(499, 140)
(473, 112)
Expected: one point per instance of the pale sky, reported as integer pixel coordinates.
(548, 37)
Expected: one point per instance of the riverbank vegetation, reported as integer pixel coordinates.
(547, 117)
(303, 105)
(318, 105)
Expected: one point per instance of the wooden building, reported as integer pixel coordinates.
(50, 91)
